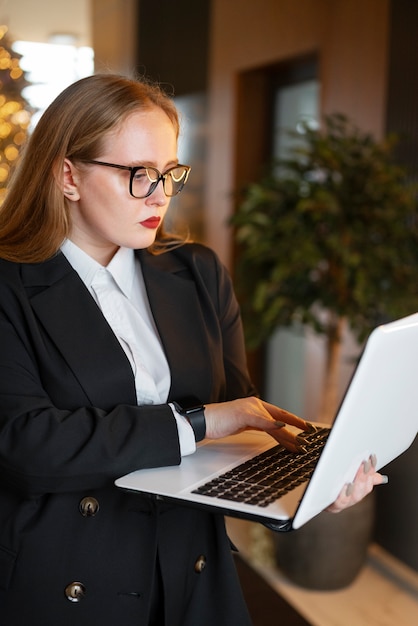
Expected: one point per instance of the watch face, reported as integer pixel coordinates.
(193, 409)
(188, 404)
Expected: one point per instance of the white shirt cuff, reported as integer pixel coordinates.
(186, 434)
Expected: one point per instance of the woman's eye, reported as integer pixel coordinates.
(140, 175)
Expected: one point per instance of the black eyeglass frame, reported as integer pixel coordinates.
(153, 184)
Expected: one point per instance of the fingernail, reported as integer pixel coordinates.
(280, 424)
(373, 460)
(349, 489)
(310, 428)
(366, 466)
(385, 479)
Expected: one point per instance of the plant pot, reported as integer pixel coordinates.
(328, 552)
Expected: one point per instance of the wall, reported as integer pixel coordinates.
(114, 36)
(30, 21)
(350, 38)
(179, 59)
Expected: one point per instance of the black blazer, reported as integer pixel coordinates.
(69, 425)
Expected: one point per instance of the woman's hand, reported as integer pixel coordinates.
(363, 483)
(229, 418)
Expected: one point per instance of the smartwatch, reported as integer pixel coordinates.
(194, 411)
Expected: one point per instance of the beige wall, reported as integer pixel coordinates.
(114, 34)
(354, 60)
(350, 37)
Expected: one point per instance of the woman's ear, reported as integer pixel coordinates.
(70, 178)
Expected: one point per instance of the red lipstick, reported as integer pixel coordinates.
(151, 222)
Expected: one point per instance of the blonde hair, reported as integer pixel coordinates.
(35, 217)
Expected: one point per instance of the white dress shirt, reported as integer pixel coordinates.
(120, 293)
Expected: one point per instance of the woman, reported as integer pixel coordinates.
(106, 324)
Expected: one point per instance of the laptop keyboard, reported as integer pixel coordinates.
(269, 475)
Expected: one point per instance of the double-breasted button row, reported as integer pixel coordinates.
(200, 564)
(89, 506)
(75, 592)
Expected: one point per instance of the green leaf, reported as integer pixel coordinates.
(334, 225)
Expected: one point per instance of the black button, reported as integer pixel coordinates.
(75, 592)
(89, 506)
(200, 564)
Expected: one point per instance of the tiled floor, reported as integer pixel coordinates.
(385, 593)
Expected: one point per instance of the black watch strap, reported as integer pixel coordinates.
(194, 411)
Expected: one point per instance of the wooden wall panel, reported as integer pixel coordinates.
(350, 40)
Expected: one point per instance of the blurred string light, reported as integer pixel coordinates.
(14, 113)
(31, 76)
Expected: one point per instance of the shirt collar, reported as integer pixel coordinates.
(121, 267)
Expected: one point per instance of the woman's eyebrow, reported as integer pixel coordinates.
(138, 163)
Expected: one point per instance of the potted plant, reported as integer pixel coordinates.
(328, 238)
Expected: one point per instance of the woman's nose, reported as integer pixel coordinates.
(158, 195)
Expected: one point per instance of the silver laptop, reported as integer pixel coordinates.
(236, 475)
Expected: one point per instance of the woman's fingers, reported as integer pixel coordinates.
(285, 416)
(227, 418)
(365, 479)
(289, 439)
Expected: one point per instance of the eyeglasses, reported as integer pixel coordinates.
(144, 179)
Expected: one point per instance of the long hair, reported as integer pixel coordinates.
(35, 217)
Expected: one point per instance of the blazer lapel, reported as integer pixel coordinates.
(178, 316)
(61, 302)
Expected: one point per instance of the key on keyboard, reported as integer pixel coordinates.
(269, 475)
